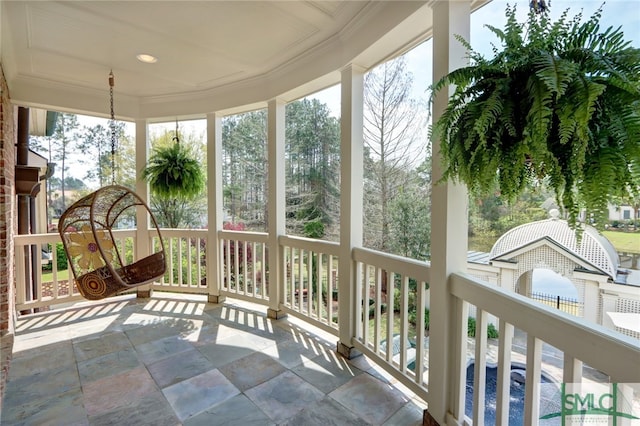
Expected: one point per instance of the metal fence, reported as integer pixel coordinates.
(565, 304)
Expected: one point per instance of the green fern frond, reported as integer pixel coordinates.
(491, 110)
(601, 180)
(556, 73)
(540, 111)
(172, 172)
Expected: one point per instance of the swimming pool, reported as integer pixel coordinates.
(516, 396)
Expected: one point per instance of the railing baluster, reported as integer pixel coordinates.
(288, 279)
(227, 254)
(330, 285)
(245, 268)
(181, 242)
(21, 275)
(480, 368)
(254, 281)
(359, 297)
(404, 322)
(459, 356)
(199, 261)
(236, 265)
(310, 255)
(572, 371)
(503, 387)
(54, 275)
(171, 277)
(263, 276)
(390, 320)
(532, 380)
(292, 277)
(378, 311)
(365, 300)
(420, 329)
(54, 272)
(299, 270)
(318, 296)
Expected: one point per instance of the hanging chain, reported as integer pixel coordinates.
(176, 138)
(112, 124)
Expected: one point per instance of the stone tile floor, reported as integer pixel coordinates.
(178, 360)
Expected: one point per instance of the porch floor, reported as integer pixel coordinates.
(176, 359)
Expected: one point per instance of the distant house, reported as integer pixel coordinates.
(618, 213)
(623, 212)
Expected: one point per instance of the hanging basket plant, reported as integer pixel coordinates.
(173, 172)
(558, 102)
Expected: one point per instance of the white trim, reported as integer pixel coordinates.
(554, 245)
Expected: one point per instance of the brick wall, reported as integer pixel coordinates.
(8, 125)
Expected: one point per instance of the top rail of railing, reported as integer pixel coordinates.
(318, 246)
(257, 237)
(417, 269)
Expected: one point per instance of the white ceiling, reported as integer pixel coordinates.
(212, 55)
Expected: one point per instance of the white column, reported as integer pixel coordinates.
(351, 181)
(525, 283)
(608, 305)
(507, 278)
(143, 245)
(215, 213)
(591, 301)
(277, 204)
(449, 218)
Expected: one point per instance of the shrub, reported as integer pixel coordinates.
(426, 319)
(61, 257)
(313, 229)
(492, 333)
(413, 314)
(372, 308)
(411, 303)
(396, 300)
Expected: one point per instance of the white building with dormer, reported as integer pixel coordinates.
(607, 293)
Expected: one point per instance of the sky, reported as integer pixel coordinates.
(624, 13)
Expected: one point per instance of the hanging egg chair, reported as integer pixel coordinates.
(98, 265)
(86, 228)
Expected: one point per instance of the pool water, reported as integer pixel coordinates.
(516, 397)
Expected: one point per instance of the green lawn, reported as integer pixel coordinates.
(396, 327)
(48, 276)
(627, 242)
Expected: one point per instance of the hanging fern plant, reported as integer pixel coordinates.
(559, 102)
(173, 172)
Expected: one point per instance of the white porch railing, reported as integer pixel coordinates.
(384, 287)
(311, 281)
(609, 352)
(385, 284)
(49, 288)
(246, 265)
(186, 261)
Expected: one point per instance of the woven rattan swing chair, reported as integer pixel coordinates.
(96, 260)
(99, 267)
